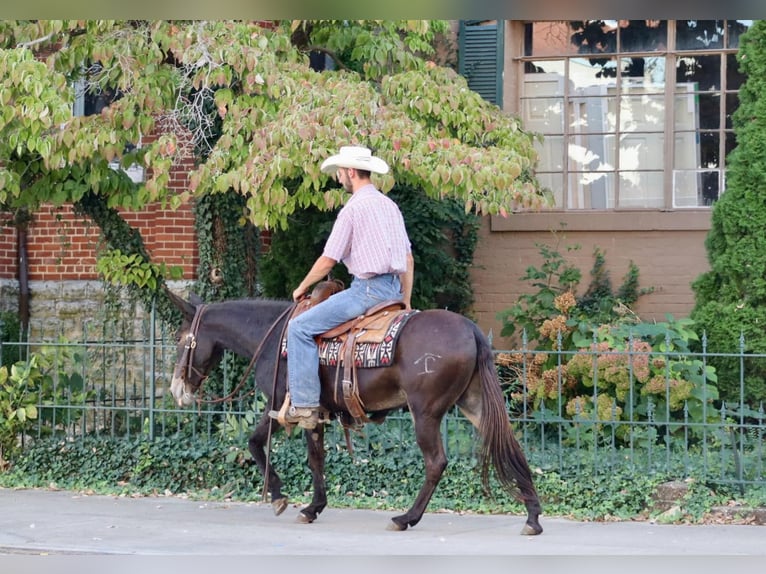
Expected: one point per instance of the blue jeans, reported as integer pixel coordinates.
(302, 353)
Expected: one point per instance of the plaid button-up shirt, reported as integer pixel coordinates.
(369, 235)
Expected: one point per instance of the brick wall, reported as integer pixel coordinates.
(62, 246)
(667, 260)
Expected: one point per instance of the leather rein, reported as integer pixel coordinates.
(191, 345)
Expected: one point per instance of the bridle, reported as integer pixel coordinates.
(187, 357)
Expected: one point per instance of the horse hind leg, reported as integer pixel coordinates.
(470, 404)
(257, 447)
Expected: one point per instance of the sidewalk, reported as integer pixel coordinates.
(62, 522)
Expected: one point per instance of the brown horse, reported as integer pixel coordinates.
(441, 359)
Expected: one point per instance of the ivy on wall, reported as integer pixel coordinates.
(228, 248)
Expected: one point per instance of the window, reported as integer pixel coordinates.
(636, 114)
(88, 102)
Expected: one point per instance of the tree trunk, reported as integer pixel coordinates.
(21, 221)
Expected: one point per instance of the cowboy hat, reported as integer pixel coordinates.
(357, 157)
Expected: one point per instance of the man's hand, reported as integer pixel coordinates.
(299, 293)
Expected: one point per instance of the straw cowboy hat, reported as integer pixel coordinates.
(357, 157)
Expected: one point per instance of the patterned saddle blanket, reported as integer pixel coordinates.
(374, 342)
(375, 338)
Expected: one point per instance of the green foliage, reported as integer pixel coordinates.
(18, 405)
(385, 477)
(258, 120)
(641, 372)
(373, 48)
(730, 298)
(47, 387)
(229, 248)
(11, 339)
(622, 372)
(444, 239)
(121, 268)
(293, 251)
(732, 330)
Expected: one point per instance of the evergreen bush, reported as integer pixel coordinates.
(730, 299)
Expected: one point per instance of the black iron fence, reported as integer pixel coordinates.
(116, 385)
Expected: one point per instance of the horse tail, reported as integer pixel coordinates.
(499, 447)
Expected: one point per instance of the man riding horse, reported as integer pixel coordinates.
(370, 238)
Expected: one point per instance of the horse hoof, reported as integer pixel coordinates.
(303, 519)
(394, 527)
(279, 505)
(530, 530)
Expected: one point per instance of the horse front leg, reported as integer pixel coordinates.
(430, 443)
(316, 454)
(257, 447)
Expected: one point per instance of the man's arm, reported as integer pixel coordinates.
(322, 266)
(406, 280)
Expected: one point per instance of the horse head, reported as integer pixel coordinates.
(196, 352)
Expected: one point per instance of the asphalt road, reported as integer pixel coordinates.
(61, 522)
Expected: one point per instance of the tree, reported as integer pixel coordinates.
(731, 297)
(243, 100)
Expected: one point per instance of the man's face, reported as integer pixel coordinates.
(344, 178)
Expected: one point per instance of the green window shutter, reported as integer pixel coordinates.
(480, 59)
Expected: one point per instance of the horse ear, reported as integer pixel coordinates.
(186, 307)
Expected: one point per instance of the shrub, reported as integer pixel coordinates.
(592, 359)
(731, 297)
(40, 391)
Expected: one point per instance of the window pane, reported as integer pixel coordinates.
(699, 34)
(686, 151)
(542, 105)
(710, 151)
(548, 39)
(594, 115)
(594, 190)
(697, 150)
(642, 35)
(686, 108)
(543, 115)
(644, 74)
(591, 152)
(551, 152)
(703, 72)
(544, 67)
(734, 77)
(555, 183)
(642, 113)
(594, 36)
(736, 28)
(709, 111)
(592, 77)
(699, 188)
(641, 189)
(601, 103)
(642, 151)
